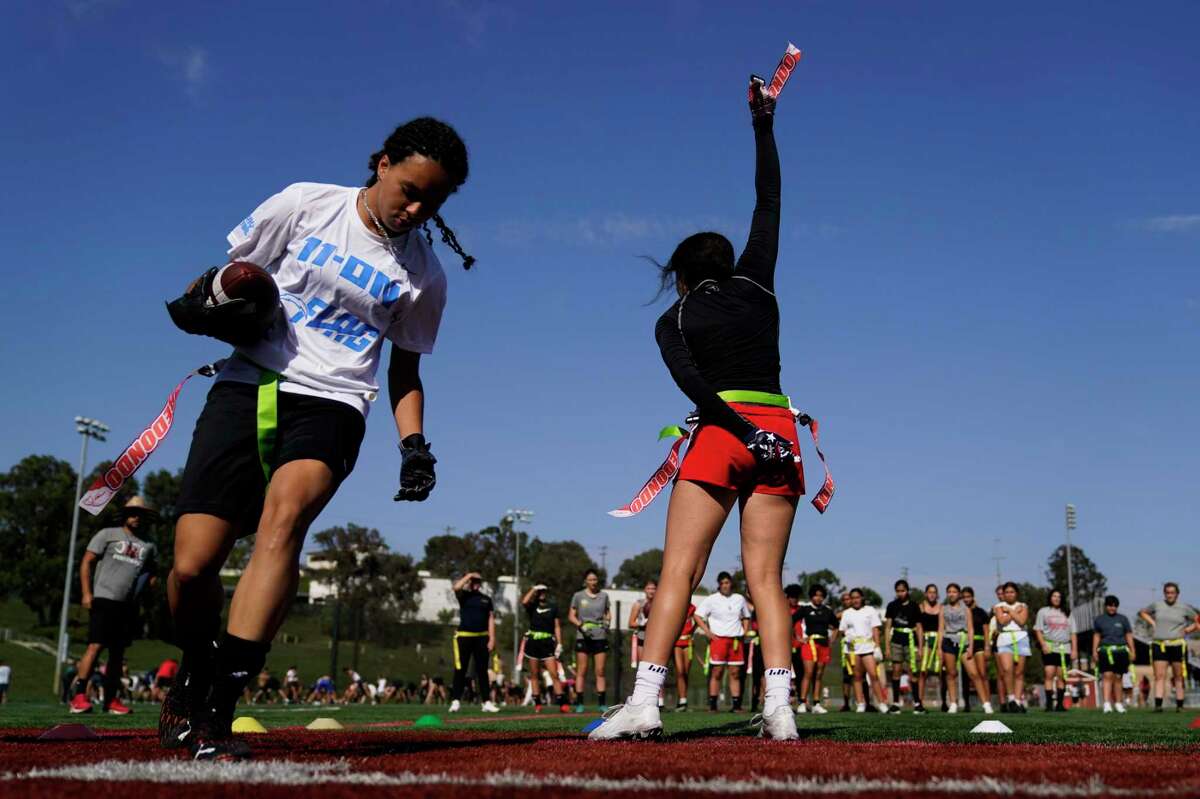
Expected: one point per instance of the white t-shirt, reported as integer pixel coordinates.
(857, 625)
(293, 676)
(5, 674)
(1016, 631)
(342, 292)
(724, 614)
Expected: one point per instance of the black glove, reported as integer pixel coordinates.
(416, 469)
(771, 451)
(237, 321)
(762, 105)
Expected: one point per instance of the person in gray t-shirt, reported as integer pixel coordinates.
(589, 612)
(115, 566)
(1112, 651)
(1171, 620)
(1055, 633)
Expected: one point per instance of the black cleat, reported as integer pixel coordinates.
(211, 740)
(174, 727)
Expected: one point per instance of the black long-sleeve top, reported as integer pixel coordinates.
(724, 334)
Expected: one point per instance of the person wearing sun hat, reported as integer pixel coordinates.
(115, 566)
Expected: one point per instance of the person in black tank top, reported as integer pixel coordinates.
(723, 335)
(931, 656)
(979, 649)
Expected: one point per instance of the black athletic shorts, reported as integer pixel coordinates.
(540, 648)
(1117, 664)
(591, 646)
(109, 622)
(1171, 653)
(223, 476)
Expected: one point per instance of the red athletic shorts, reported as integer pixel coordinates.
(822, 653)
(722, 650)
(684, 642)
(717, 457)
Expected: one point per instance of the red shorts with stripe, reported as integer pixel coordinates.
(822, 653)
(717, 457)
(722, 651)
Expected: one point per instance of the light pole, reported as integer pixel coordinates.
(88, 428)
(1070, 574)
(514, 516)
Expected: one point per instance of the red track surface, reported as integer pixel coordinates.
(477, 754)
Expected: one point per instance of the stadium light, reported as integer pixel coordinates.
(1070, 573)
(88, 428)
(515, 516)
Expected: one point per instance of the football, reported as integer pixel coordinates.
(243, 281)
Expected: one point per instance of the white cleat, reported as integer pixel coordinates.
(953, 708)
(489, 707)
(1120, 707)
(629, 721)
(860, 709)
(819, 710)
(882, 708)
(1107, 707)
(779, 726)
(801, 708)
(987, 708)
(455, 706)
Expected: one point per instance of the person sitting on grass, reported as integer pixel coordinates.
(1112, 646)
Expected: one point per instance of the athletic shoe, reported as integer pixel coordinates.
(1013, 707)
(579, 708)
(489, 707)
(945, 708)
(779, 726)
(455, 706)
(629, 721)
(801, 708)
(80, 704)
(860, 709)
(819, 710)
(118, 708)
(602, 709)
(987, 708)
(210, 742)
(882, 708)
(1120, 708)
(681, 707)
(1021, 708)
(919, 710)
(894, 709)
(1107, 707)
(953, 709)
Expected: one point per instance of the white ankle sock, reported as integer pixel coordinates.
(779, 687)
(650, 679)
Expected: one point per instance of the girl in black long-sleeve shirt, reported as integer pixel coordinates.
(720, 342)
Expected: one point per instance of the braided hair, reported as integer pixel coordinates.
(439, 142)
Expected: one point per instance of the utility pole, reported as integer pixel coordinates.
(604, 560)
(88, 428)
(904, 573)
(1070, 573)
(524, 517)
(996, 556)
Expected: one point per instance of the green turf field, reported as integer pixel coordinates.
(1140, 727)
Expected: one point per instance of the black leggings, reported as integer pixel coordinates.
(471, 648)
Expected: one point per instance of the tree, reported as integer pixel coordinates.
(161, 488)
(1090, 582)
(635, 571)
(560, 565)
(825, 577)
(370, 579)
(871, 597)
(450, 555)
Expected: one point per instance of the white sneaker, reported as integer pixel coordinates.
(455, 706)
(1107, 707)
(489, 707)
(629, 721)
(882, 708)
(953, 708)
(987, 708)
(1120, 707)
(860, 709)
(819, 709)
(779, 726)
(801, 708)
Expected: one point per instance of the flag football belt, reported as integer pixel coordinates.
(101, 492)
(1108, 650)
(1162, 645)
(912, 647)
(538, 636)
(853, 643)
(1016, 653)
(931, 660)
(812, 645)
(962, 647)
(670, 467)
(462, 634)
(1062, 650)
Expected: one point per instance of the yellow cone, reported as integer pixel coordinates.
(247, 724)
(325, 723)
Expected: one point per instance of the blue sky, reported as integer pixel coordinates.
(988, 271)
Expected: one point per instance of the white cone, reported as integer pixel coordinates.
(991, 726)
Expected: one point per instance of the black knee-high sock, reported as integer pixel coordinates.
(896, 692)
(198, 663)
(238, 662)
(1058, 696)
(601, 697)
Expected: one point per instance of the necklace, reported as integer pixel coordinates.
(391, 245)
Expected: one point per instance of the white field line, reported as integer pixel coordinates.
(282, 772)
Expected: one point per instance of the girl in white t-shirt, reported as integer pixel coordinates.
(1012, 644)
(860, 636)
(282, 426)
